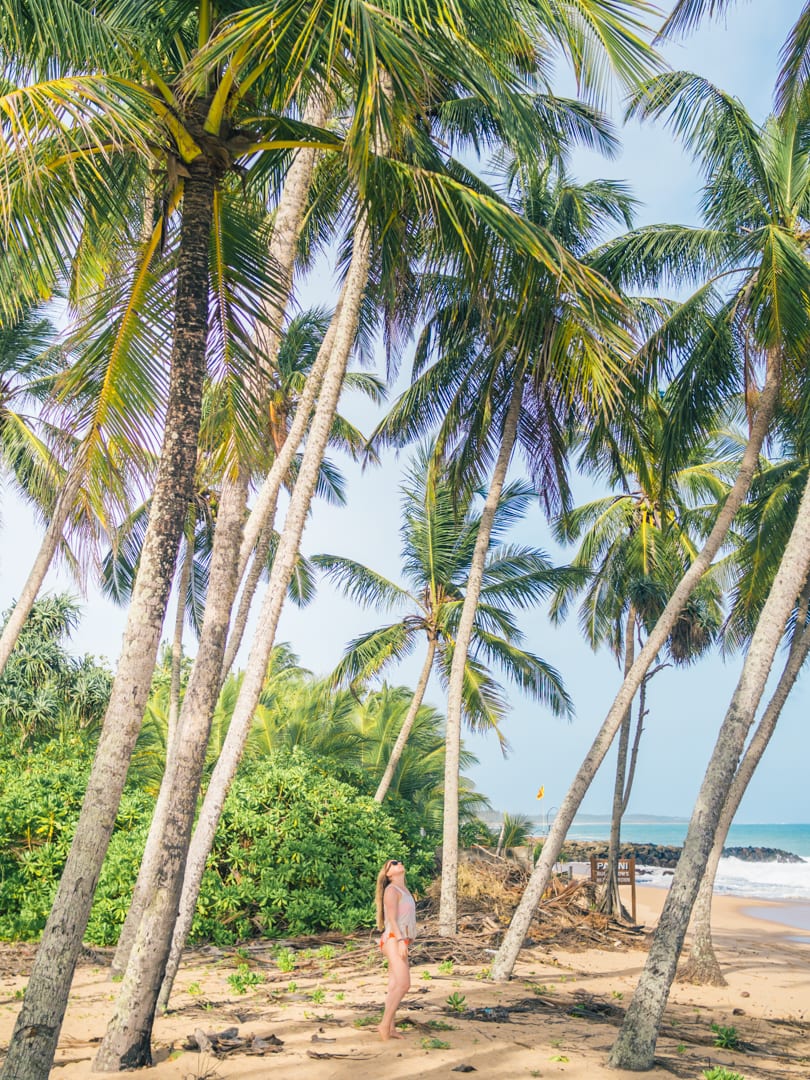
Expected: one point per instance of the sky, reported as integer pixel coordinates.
(739, 54)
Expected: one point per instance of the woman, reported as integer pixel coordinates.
(396, 917)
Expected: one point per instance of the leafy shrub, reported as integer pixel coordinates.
(296, 852)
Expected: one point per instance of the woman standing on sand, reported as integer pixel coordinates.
(396, 918)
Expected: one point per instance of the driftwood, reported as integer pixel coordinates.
(226, 1042)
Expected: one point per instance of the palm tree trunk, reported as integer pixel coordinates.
(702, 967)
(139, 894)
(345, 328)
(407, 723)
(127, 1042)
(42, 563)
(248, 593)
(611, 901)
(32, 1047)
(233, 504)
(264, 508)
(177, 642)
(507, 955)
(635, 1046)
(455, 691)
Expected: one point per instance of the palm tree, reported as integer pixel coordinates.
(763, 532)
(438, 533)
(53, 174)
(514, 367)
(635, 1046)
(637, 544)
(418, 781)
(756, 201)
(128, 1032)
(397, 96)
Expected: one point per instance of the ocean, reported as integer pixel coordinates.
(735, 877)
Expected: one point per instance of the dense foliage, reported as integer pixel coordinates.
(296, 852)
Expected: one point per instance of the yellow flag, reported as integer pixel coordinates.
(541, 793)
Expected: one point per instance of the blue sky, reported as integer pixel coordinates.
(740, 54)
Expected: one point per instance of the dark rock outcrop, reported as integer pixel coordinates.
(664, 855)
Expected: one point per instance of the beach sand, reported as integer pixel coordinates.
(556, 1018)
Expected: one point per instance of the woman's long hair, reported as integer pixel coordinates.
(382, 881)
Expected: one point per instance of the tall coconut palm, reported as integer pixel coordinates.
(385, 90)
(756, 202)
(129, 1030)
(53, 174)
(635, 1046)
(516, 361)
(637, 544)
(439, 532)
(763, 532)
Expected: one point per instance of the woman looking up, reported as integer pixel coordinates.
(396, 918)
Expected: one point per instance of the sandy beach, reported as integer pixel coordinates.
(557, 1017)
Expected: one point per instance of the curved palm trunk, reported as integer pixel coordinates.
(449, 898)
(507, 955)
(345, 328)
(127, 1042)
(140, 892)
(248, 595)
(407, 723)
(45, 556)
(635, 1046)
(611, 901)
(33, 1043)
(702, 967)
(233, 504)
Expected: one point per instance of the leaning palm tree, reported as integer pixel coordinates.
(763, 533)
(78, 155)
(390, 95)
(635, 1046)
(756, 202)
(388, 65)
(439, 532)
(637, 544)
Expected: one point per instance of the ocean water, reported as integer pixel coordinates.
(736, 877)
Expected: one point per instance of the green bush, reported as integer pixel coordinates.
(296, 851)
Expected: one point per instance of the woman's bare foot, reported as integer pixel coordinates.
(389, 1033)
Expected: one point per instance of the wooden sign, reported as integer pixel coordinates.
(626, 872)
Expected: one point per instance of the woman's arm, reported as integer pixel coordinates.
(391, 907)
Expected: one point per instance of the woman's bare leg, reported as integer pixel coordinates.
(399, 983)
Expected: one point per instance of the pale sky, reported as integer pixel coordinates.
(686, 706)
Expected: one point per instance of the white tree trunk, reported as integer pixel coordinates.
(42, 563)
(248, 594)
(702, 967)
(455, 692)
(635, 1045)
(139, 894)
(342, 340)
(30, 1054)
(611, 901)
(127, 1042)
(507, 955)
(407, 723)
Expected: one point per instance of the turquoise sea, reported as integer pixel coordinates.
(793, 838)
(780, 881)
